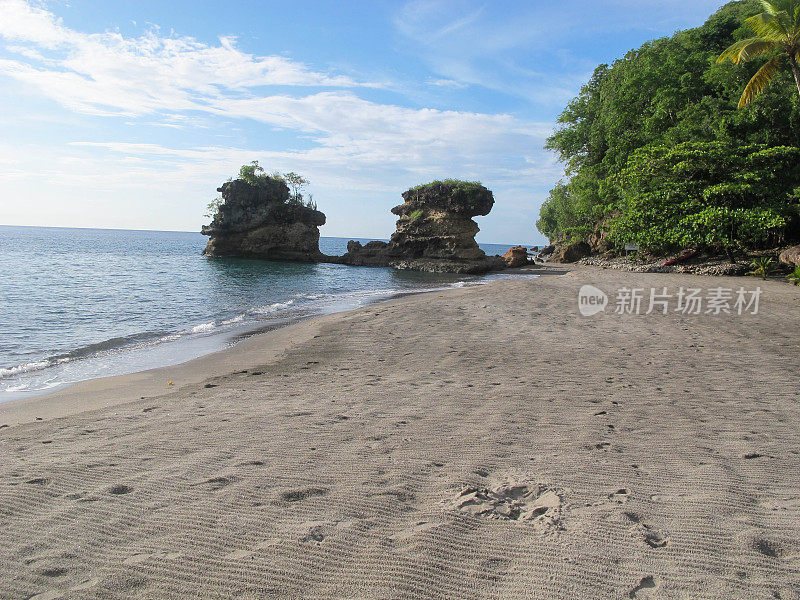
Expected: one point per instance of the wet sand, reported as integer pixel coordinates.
(480, 442)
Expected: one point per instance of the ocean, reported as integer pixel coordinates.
(85, 303)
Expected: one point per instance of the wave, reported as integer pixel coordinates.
(26, 368)
(301, 304)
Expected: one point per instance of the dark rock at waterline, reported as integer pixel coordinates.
(261, 222)
(435, 232)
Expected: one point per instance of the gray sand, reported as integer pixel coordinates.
(485, 442)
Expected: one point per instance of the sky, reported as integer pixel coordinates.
(121, 114)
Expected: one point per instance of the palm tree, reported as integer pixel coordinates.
(777, 33)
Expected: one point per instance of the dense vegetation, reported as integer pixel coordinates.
(456, 185)
(658, 152)
(255, 175)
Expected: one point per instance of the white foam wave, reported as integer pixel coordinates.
(203, 327)
(7, 372)
(271, 308)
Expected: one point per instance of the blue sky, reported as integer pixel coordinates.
(129, 114)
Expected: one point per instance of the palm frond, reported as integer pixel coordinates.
(769, 7)
(744, 50)
(760, 80)
(768, 27)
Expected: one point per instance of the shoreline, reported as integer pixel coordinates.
(251, 350)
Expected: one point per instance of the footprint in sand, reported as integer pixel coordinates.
(774, 548)
(515, 501)
(621, 496)
(646, 589)
(655, 538)
(302, 494)
(38, 481)
(215, 483)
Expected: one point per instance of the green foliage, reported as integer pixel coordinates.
(668, 92)
(465, 187)
(213, 207)
(297, 184)
(255, 175)
(794, 276)
(710, 195)
(417, 214)
(762, 266)
(459, 184)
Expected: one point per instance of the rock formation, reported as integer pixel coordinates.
(260, 221)
(570, 253)
(435, 232)
(791, 256)
(516, 257)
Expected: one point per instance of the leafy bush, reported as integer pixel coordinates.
(794, 276)
(465, 187)
(255, 175)
(710, 195)
(213, 207)
(417, 214)
(762, 267)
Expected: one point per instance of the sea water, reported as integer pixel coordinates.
(82, 303)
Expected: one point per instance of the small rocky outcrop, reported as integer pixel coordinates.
(516, 257)
(260, 221)
(570, 253)
(435, 232)
(791, 256)
(599, 240)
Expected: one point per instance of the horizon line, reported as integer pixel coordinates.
(365, 237)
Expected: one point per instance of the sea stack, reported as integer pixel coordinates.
(263, 221)
(435, 231)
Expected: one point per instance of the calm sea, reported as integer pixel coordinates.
(84, 303)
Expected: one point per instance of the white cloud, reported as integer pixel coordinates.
(106, 73)
(486, 43)
(175, 82)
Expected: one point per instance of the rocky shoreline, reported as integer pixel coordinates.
(703, 263)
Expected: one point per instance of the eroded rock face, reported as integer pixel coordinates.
(260, 222)
(570, 253)
(435, 232)
(791, 256)
(516, 257)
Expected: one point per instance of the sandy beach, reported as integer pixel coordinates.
(483, 442)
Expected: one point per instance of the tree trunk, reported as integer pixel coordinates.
(796, 71)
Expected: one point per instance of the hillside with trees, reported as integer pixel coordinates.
(659, 152)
